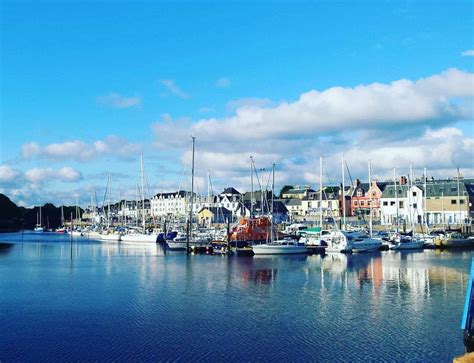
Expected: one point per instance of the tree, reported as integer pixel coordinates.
(285, 189)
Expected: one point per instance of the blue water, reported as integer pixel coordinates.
(94, 301)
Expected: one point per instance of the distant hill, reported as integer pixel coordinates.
(14, 218)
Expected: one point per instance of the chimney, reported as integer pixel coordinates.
(403, 180)
(357, 182)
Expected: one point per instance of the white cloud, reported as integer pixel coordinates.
(65, 174)
(116, 100)
(468, 53)
(393, 124)
(434, 100)
(223, 82)
(82, 151)
(173, 88)
(8, 174)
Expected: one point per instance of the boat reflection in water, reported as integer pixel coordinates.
(409, 271)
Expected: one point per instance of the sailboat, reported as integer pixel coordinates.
(279, 246)
(407, 242)
(361, 241)
(39, 228)
(108, 235)
(184, 241)
(142, 236)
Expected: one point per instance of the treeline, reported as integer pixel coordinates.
(15, 218)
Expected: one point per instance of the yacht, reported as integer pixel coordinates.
(139, 238)
(180, 241)
(338, 241)
(364, 243)
(407, 243)
(280, 247)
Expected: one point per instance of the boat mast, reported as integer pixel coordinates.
(459, 199)
(343, 196)
(410, 203)
(251, 186)
(396, 195)
(40, 219)
(108, 201)
(209, 196)
(62, 216)
(273, 196)
(143, 193)
(192, 194)
(370, 199)
(425, 219)
(321, 194)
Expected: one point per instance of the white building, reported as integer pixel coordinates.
(407, 203)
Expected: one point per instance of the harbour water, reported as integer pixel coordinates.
(107, 301)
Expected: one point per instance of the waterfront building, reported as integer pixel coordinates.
(170, 204)
(447, 202)
(329, 206)
(208, 215)
(366, 197)
(297, 192)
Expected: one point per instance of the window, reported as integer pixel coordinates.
(414, 205)
(400, 204)
(414, 194)
(356, 203)
(392, 203)
(453, 201)
(385, 203)
(362, 203)
(461, 201)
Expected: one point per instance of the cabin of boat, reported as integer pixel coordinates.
(251, 230)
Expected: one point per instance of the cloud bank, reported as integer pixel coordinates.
(394, 124)
(81, 151)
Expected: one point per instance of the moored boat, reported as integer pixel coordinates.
(280, 247)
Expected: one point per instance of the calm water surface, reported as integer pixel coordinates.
(103, 301)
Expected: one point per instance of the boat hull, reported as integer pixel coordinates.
(278, 250)
(408, 246)
(110, 237)
(139, 238)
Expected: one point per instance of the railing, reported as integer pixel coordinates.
(467, 320)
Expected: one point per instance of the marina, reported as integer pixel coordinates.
(146, 303)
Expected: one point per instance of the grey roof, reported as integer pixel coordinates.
(435, 188)
(293, 202)
(257, 195)
(230, 190)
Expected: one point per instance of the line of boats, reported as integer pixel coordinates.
(258, 236)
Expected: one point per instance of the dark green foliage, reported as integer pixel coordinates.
(285, 189)
(14, 218)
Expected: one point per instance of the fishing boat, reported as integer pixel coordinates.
(249, 231)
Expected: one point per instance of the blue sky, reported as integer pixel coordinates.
(91, 85)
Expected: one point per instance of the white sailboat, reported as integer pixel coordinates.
(135, 236)
(38, 228)
(407, 242)
(362, 242)
(183, 241)
(279, 246)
